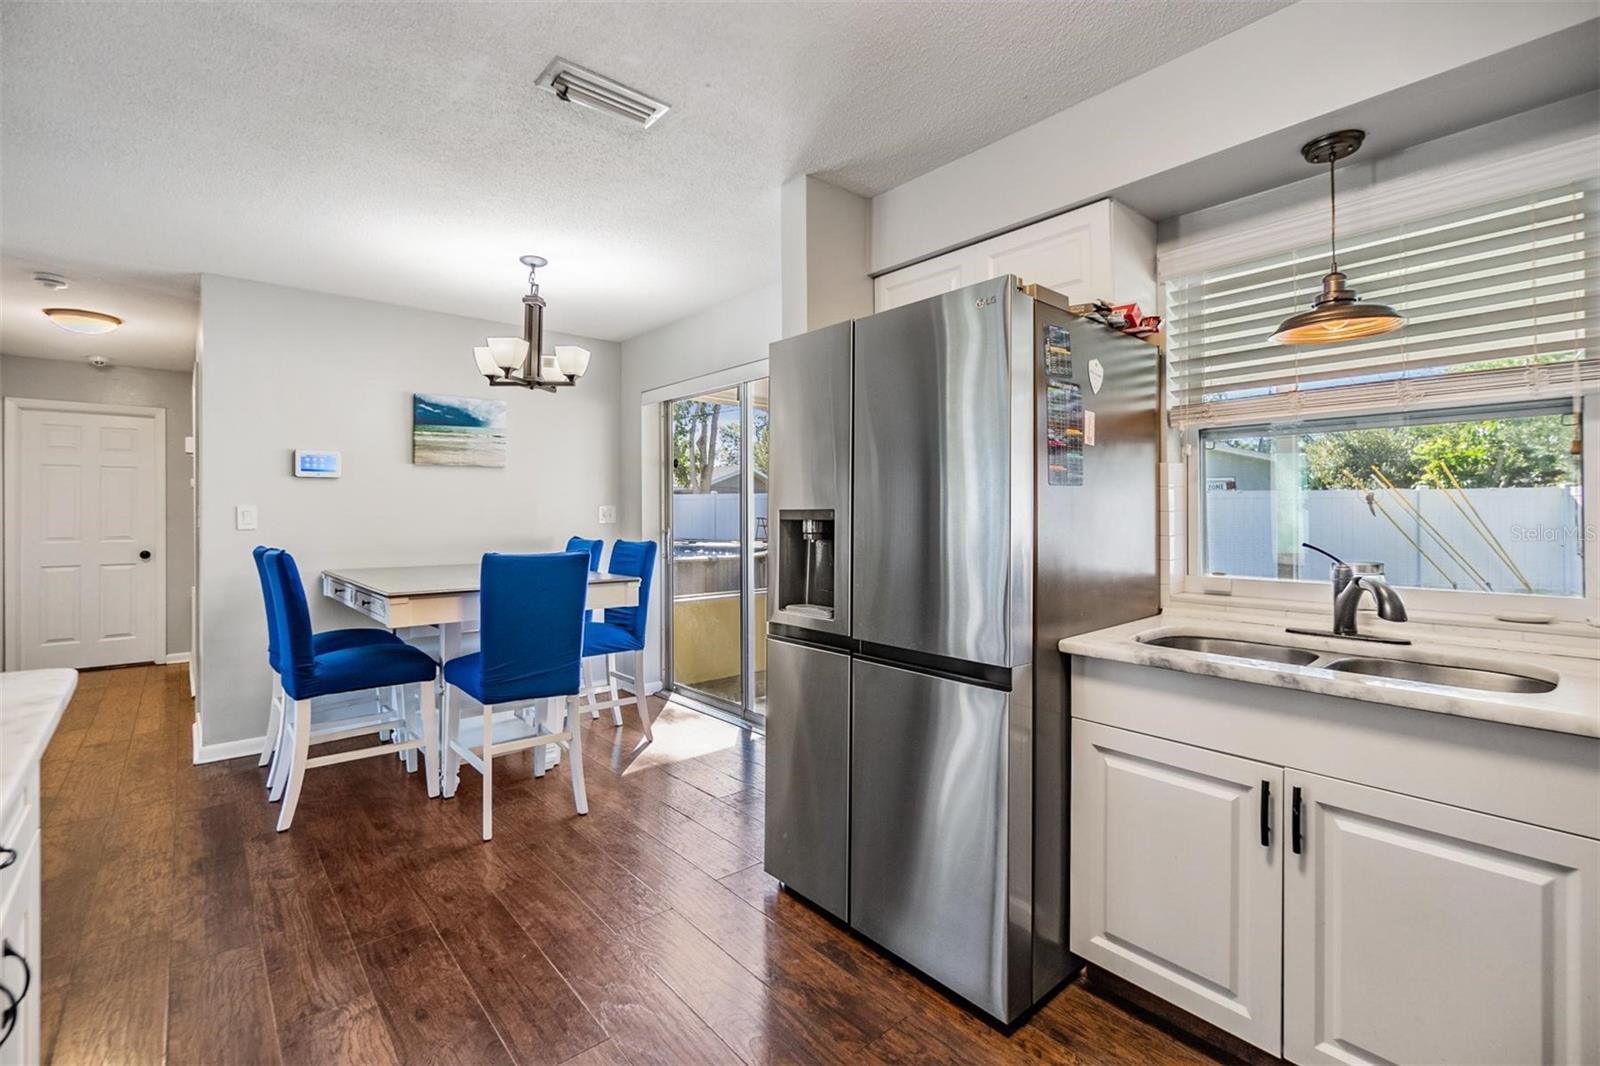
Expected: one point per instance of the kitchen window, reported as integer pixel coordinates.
(1479, 501)
(1452, 451)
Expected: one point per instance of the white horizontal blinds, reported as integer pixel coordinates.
(1499, 301)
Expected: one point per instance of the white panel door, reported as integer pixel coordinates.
(88, 505)
(1176, 881)
(1420, 932)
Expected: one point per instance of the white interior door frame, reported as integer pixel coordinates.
(14, 406)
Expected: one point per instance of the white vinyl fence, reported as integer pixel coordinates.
(710, 516)
(1539, 528)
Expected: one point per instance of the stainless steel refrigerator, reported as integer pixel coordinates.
(956, 484)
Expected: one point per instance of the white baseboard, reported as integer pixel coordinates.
(231, 749)
(650, 687)
(176, 657)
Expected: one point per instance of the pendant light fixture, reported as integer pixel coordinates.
(522, 361)
(1337, 314)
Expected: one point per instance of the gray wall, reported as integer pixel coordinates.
(61, 379)
(726, 335)
(284, 368)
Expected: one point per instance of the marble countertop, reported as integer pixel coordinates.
(1573, 706)
(31, 704)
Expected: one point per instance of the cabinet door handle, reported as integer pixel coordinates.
(13, 1008)
(7, 856)
(1266, 814)
(1296, 836)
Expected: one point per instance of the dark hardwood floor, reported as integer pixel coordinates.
(178, 925)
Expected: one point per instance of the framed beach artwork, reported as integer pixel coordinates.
(457, 431)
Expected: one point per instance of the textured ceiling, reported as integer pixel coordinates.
(400, 152)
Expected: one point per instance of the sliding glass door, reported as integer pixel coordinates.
(715, 448)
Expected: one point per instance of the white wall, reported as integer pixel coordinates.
(62, 379)
(285, 368)
(1254, 82)
(729, 334)
(826, 237)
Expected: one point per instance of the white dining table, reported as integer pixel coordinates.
(445, 597)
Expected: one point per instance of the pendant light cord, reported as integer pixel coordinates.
(1333, 221)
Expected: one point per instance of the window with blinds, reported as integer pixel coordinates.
(1499, 302)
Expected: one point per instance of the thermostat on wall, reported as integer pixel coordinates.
(316, 464)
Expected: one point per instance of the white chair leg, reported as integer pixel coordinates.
(588, 691)
(488, 771)
(282, 758)
(450, 734)
(274, 721)
(611, 685)
(377, 696)
(575, 755)
(409, 730)
(430, 736)
(301, 740)
(541, 752)
(638, 694)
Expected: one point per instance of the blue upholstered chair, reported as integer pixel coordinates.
(531, 618)
(307, 673)
(593, 547)
(622, 631)
(328, 640)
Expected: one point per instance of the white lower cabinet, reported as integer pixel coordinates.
(1353, 925)
(1176, 879)
(19, 963)
(1420, 932)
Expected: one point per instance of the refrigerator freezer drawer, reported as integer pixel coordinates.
(808, 772)
(935, 873)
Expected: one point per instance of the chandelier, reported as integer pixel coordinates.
(522, 360)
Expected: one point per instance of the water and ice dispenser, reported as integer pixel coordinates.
(805, 574)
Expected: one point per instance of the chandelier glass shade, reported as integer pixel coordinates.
(522, 361)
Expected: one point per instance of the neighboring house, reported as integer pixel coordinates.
(1230, 469)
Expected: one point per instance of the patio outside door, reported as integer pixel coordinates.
(715, 448)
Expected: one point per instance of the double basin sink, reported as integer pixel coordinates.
(1452, 676)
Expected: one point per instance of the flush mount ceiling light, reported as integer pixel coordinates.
(522, 360)
(575, 85)
(77, 320)
(1337, 314)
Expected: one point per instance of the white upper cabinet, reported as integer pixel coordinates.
(1102, 251)
(1176, 882)
(1420, 932)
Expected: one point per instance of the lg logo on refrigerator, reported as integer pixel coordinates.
(987, 301)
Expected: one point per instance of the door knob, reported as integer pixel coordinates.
(144, 554)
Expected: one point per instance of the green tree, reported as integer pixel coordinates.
(696, 435)
(1345, 460)
(1491, 453)
(758, 447)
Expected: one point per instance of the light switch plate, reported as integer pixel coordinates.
(244, 516)
(608, 514)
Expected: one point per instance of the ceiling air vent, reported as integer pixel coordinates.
(578, 86)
